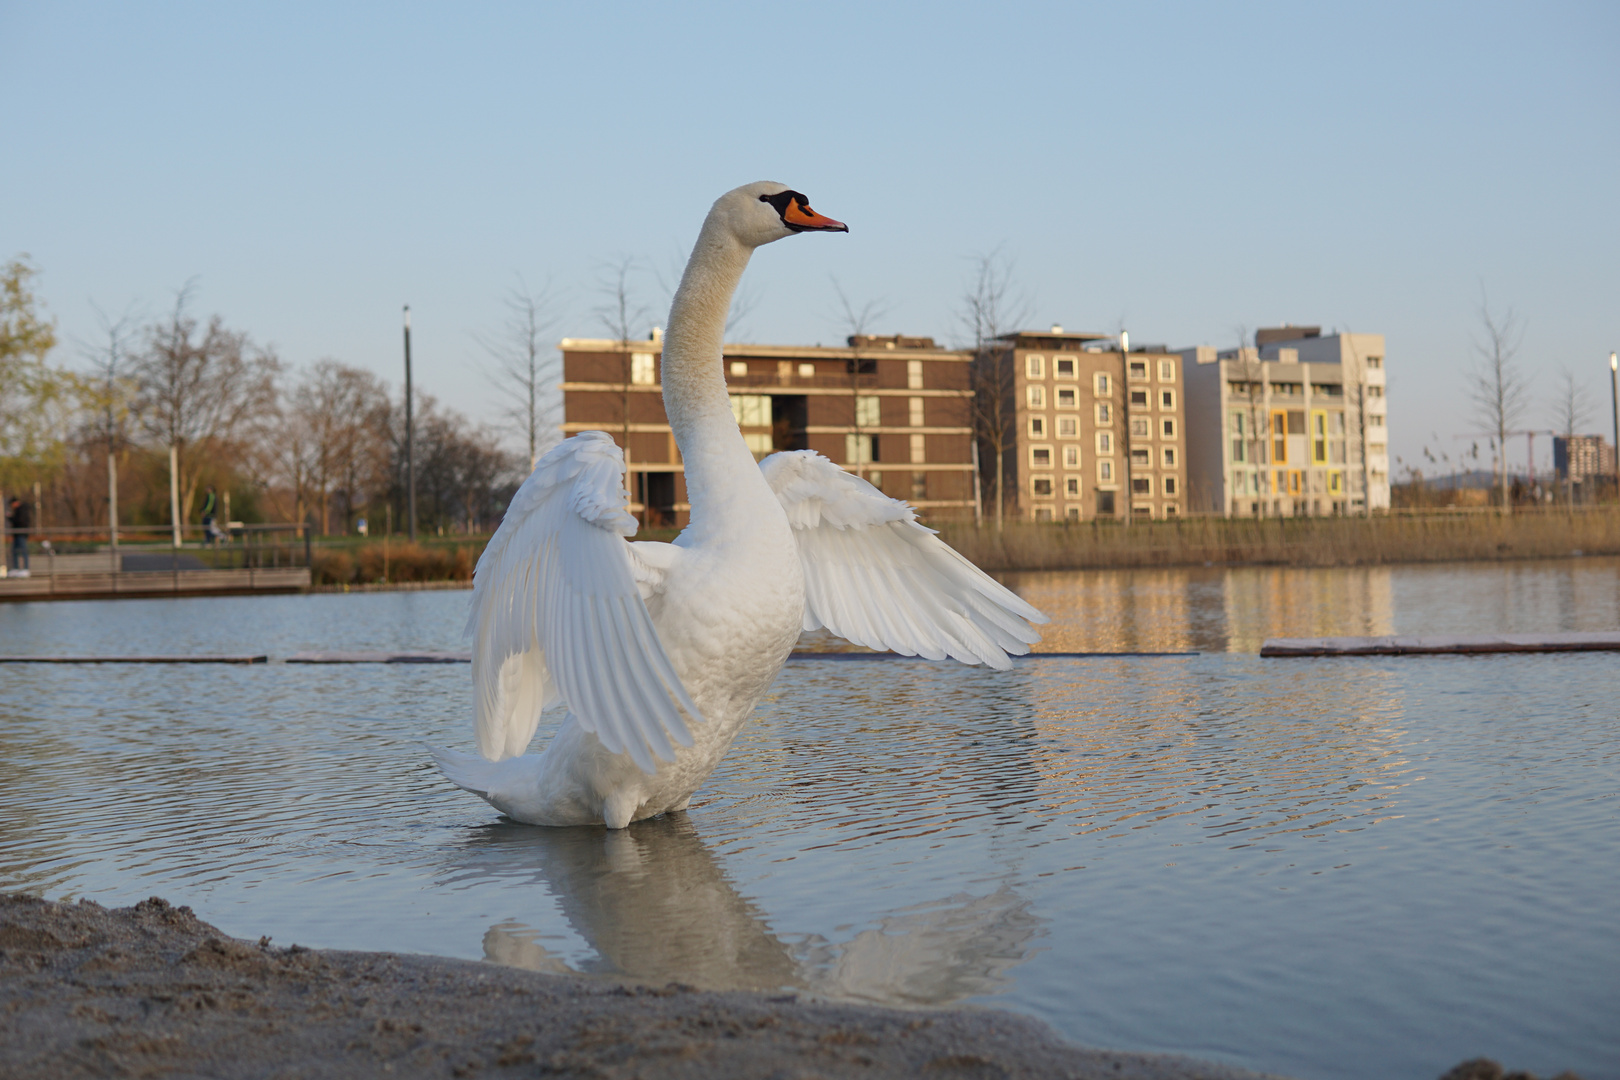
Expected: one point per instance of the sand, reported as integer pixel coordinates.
(87, 991)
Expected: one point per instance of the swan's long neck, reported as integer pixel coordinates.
(719, 467)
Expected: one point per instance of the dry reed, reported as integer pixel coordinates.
(1195, 541)
(393, 562)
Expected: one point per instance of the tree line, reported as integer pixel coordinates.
(324, 444)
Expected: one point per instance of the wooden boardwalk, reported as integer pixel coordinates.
(106, 585)
(1432, 645)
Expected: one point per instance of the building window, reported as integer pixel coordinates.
(1105, 472)
(1105, 442)
(1167, 371)
(1319, 442)
(1140, 457)
(1105, 503)
(1034, 367)
(919, 449)
(1335, 483)
(914, 374)
(1105, 414)
(1073, 513)
(1071, 485)
(1040, 457)
(1171, 510)
(1237, 423)
(1167, 399)
(751, 410)
(860, 449)
(1139, 428)
(1375, 420)
(1168, 457)
(1375, 361)
(1167, 428)
(1043, 513)
(1336, 423)
(1375, 449)
(919, 486)
(1037, 427)
(915, 406)
(1139, 399)
(1063, 369)
(642, 370)
(1071, 456)
(1068, 427)
(868, 411)
(1169, 485)
(739, 367)
(1041, 486)
(1138, 369)
(1100, 384)
(1037, 396)
(1141, 485)
(1279, 436)
(807, 371)
(1237, 450)
(1375, 391)
(1067, 399)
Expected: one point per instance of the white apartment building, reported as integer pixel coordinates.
(1296, 425)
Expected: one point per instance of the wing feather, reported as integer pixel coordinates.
(558, 613)
(876, 577)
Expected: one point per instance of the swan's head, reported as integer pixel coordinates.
(760, 213)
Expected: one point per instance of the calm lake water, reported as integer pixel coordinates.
(1324, 868)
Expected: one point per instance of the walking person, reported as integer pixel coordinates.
(19, 518)
(211, 532)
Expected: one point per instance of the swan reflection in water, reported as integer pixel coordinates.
(654, 905)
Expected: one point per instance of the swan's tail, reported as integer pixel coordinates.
(470, 772)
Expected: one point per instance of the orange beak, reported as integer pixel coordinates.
(800, 216)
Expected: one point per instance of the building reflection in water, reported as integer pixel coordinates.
(1204, 609)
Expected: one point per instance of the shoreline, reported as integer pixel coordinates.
(88, 991)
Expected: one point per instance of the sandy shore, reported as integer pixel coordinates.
(87, 991)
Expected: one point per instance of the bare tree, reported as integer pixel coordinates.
(857, 323)
(335, 440)
(988, 309)
(525, 368)
(620, 313)
(1255, 440)
(1571, 411)
(1497, 387)
(109, 359)
(202, 394)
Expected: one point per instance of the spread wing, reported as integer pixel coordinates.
(556, 612)
(877, 578)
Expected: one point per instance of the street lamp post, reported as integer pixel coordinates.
(1614, 403)
(410, 433)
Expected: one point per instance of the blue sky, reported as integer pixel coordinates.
(1183, 169)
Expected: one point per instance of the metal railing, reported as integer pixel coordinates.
(57, 549)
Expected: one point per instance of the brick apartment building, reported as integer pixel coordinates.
(895, 410)
(1091, 432)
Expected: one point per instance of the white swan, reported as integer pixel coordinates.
(661, 651)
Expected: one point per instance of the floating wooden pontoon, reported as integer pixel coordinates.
(242, 658)
(1429, 645)
(361, 657)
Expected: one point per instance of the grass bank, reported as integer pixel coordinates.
(1397, 538)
